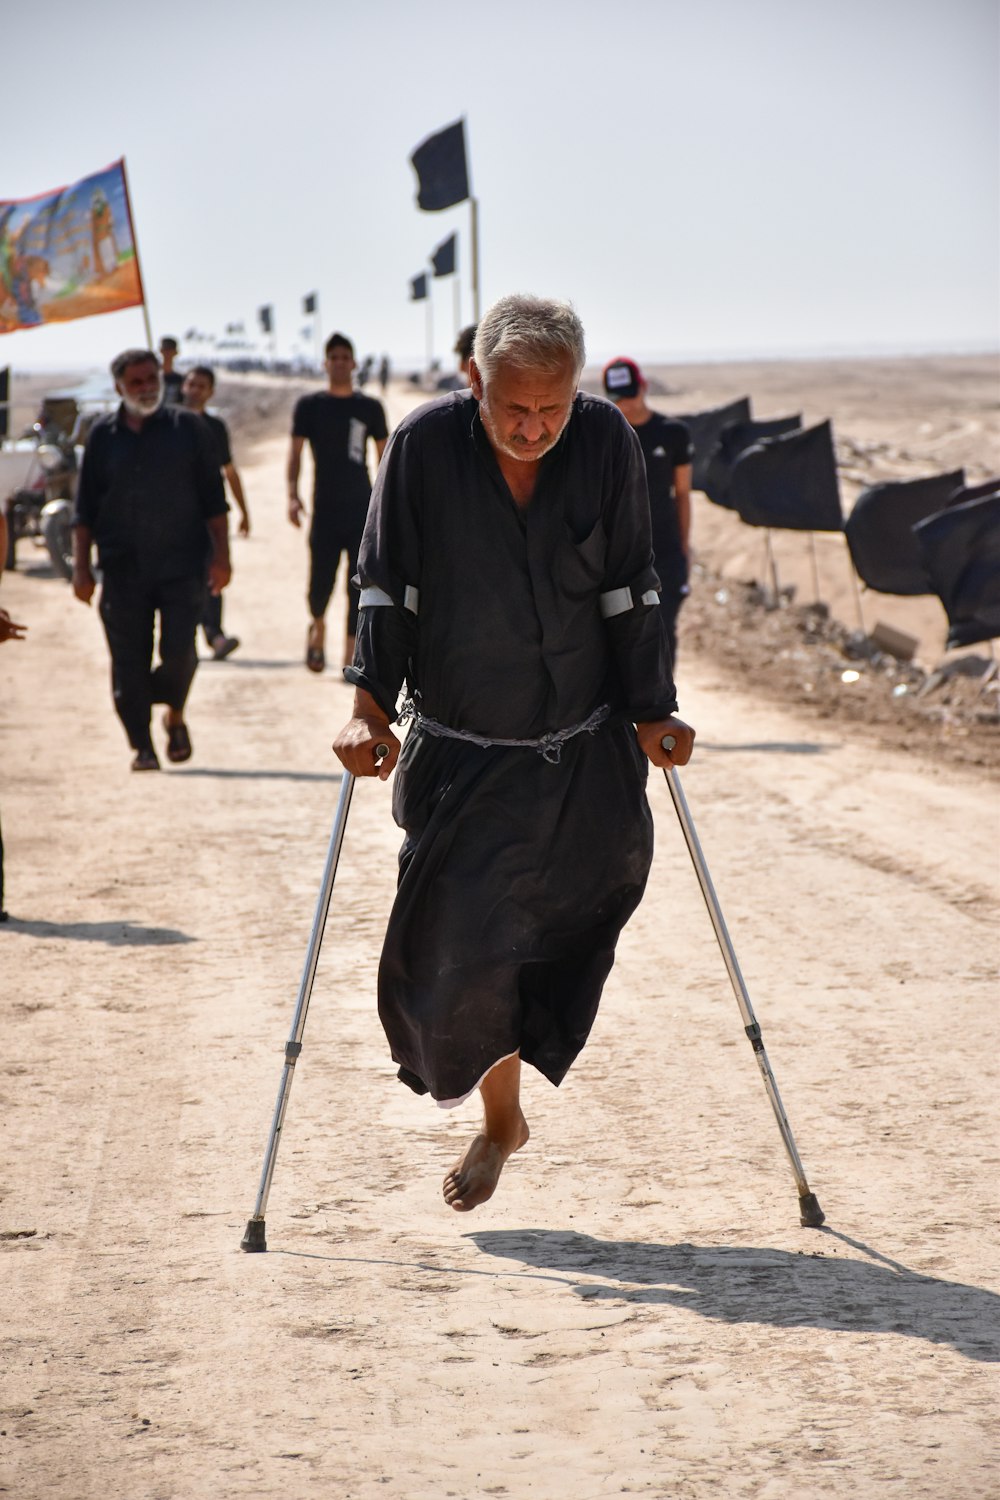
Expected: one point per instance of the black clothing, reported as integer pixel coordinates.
(337, 429)
(666, 447)
(211, 619)
(516, 875)
(173, 388)
(324, 560)
(220, 437)
(146, 496)
(129, 603)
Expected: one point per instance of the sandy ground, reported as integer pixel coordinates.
(637, 1311)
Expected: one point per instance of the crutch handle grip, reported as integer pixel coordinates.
(668, 742)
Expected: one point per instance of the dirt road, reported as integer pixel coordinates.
(637, 1311)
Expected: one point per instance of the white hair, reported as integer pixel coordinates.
(530, 333)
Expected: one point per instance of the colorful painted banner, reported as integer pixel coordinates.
(68, 254)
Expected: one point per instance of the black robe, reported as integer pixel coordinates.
(516, 874)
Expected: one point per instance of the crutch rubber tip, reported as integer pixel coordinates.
(811, 1216)
(253, 1239)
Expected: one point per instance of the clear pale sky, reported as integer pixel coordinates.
(699, 177)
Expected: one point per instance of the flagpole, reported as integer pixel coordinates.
(429, 299)
(138, 262)
(474, 255)
(456, 291)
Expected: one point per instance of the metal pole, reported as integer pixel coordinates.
(138, 262)
(430, 323)
(815, 563)
(857, 589)
(772, 565)
(474, 255)
(810, 1213)
(254, 1236)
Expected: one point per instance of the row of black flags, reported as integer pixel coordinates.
(932, 535)
(441, 163)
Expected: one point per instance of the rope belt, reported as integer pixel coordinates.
(549, 746)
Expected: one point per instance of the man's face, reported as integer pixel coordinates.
(340, 366)
(524, 411)
(196, 391)
(141, 388)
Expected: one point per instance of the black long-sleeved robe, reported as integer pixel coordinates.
(516, 875)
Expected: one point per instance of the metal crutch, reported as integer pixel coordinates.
(254, 1236)
(810, 1213)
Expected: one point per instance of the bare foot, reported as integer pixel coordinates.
(473, 1180)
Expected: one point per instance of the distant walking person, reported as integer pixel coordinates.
(383, 373)
(199, 384)
(10, 630)
(337, 424)
(151, 497)
(173, 380)
(666, 448)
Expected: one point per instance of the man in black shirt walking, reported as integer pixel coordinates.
(199, 384)
(666, 448)
(337, 424)
(151, 497)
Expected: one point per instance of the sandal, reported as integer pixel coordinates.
(315, 658)
(146, 760)
(178, 741)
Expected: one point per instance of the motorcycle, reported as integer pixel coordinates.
(43, 467)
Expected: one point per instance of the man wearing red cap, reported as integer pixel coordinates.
(666, 448)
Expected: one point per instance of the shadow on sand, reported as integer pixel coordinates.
(115, 934)
(771, 1287)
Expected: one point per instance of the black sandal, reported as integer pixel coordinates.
(178, 741)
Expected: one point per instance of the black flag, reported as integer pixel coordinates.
(734, 439)
(4, 399)
(309, 303)
(789, 482)
(442, 174)
(885, 553)
(961, 549)
(705, 428)
(266, 322)
(418, 287)
(974, 492)
(443, 259)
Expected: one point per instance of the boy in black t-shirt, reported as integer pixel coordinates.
(337, 424)
(196, 392)
(666, 447)
(173, 380)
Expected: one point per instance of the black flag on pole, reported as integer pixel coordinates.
(974, 492)
(706, 427)
(309, 304)
(734, 439)
(418, 287)
(789, 482)
(266, 320)
(443, 259)
(440, 165)
(961, 549)
(4, 399)
(885, 553)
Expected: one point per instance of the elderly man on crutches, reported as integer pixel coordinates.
(507, 580)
